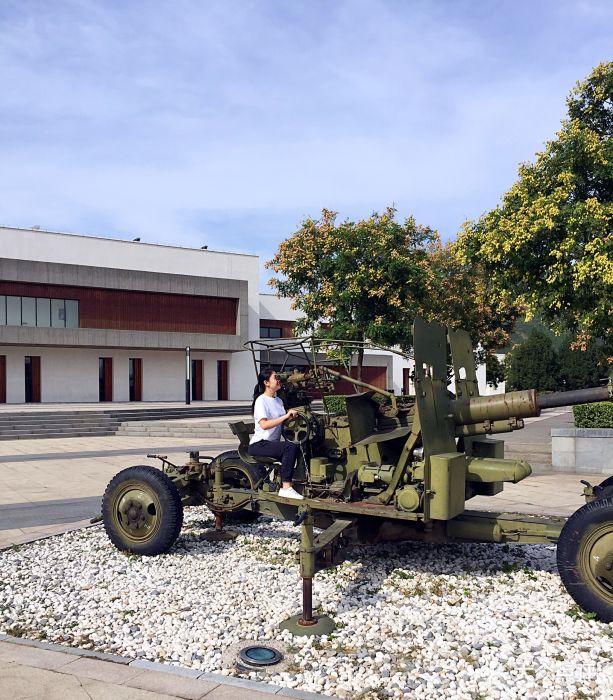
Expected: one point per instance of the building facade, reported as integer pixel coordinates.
(91, 319)
(86, 319)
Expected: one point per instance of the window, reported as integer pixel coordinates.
(41, 312)
(268, 332)
(72, 313)
(28, 311)
(13, 311)
(58, 313)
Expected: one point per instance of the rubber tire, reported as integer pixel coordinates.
(569, 549)
(171, 510)
(254, 472)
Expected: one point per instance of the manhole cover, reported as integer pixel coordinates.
(259, 656)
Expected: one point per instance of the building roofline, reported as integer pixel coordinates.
(121, 240)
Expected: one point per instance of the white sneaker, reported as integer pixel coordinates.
(290, 493)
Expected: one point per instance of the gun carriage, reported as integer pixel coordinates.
(385, 468)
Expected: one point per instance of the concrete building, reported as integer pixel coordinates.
(88, 319)
(94, 319)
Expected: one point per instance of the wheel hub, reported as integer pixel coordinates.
(137, 513)
(601, 557)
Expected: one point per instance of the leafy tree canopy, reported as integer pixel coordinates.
(356, 280)
(359, 280)
(549, 245)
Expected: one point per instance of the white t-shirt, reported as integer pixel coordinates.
(267, 407)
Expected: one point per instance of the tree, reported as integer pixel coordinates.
(367, 280)
(494, 370)
(461, 296)
(548, 246)
(356, 280)
(531, 364)
(580, 368)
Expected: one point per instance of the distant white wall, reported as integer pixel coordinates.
(277, 308)
(71, 374)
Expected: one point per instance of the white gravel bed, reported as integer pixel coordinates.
(414, 620)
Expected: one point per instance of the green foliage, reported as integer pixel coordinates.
(494, 370)
(580, 368)
(548, 246)
(367, 280)
(531, 364)
(335, 404)
(594, 415)
(577, 613)
(356, 280)
(535, 364)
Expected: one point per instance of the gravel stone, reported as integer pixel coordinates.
(418, 620)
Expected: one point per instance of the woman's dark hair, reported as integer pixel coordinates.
(260, 387)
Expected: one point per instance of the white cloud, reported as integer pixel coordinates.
(164, 118)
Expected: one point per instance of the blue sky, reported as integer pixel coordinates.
(225, 123)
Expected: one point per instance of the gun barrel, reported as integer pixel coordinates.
(521, 404)
(571, 398)
(515, 404)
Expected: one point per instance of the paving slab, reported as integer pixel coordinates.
(172, 684)
(227, 692)
(19, 682)
(33, 657)
(40, 670)
(97, 690)
(100, 670)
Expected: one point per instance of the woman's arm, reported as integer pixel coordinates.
(268, 423)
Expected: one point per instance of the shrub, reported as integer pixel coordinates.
(594, 415)
(335, 403)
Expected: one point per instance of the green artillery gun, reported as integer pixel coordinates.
(386, 468)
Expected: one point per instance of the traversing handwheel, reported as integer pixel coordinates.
(298, 429)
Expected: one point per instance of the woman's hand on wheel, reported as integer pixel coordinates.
(292, 413)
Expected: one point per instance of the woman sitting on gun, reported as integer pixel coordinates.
(269, 415)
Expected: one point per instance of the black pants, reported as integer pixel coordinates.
(287, 452)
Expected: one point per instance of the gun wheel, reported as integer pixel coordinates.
(240, 475)
(585, 557)
(142, 511)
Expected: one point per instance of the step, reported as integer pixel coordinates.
(72, 421)
(122, 430)
(160, 432)
(45, 436)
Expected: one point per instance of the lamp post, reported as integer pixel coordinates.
(188, 375)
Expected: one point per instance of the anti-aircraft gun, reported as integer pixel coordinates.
(384, 468)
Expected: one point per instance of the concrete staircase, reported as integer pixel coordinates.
(29, 425)
(191, 429)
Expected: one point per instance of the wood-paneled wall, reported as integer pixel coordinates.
(121, 309)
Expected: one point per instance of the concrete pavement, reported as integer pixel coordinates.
(47, 486)
(48, 477)
(38, 671)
